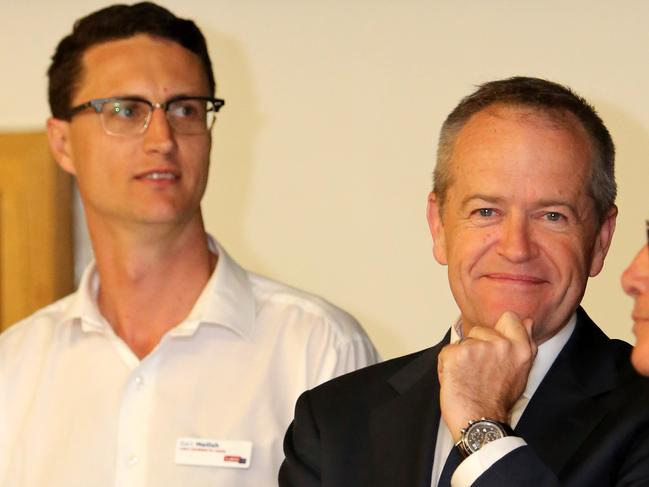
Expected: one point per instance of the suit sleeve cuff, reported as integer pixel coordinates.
(479, 462)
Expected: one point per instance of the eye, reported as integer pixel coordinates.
(485, 212)
(126, 109)
(554, 216)
(187, 109)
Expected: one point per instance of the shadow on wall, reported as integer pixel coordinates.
(234, 138)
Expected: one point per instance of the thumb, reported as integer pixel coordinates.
(528, 324)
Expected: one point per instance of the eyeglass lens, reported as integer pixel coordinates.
(131, 117)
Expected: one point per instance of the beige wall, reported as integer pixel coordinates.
(322, 156)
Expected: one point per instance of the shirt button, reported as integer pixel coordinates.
(139, 381)
(133, 459)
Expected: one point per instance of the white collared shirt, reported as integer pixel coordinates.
(477, 463)
(79, 409)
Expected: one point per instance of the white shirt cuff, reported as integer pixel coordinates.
(479, 462)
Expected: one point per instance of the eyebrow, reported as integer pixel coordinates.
(483, 197)
(130, 96)
(499, 200)
(564, 204)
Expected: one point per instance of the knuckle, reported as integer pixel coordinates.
(503, 346)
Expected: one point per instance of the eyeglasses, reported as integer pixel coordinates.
(647, 224)
(187, 115)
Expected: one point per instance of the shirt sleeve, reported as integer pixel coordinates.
(355, 354)
(479, 462)
(334, 351)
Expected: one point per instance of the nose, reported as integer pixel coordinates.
(635, 279)
(159, 136)
(516, 243)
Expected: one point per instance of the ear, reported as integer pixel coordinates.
(603, 242)
(436, 226)
(58, 134)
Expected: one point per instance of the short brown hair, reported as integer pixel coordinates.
(114, 23)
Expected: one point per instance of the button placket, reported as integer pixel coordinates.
(133, 427)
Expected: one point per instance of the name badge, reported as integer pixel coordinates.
(213, 453)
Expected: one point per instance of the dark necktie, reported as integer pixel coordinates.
(452, 461)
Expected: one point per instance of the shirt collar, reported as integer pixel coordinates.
(545, 356)
(83, 306)
(226, 300)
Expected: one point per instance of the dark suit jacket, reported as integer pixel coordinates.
(587, 424)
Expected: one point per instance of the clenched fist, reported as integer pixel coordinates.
(486, 372)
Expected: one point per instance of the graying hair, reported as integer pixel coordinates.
(551, 99)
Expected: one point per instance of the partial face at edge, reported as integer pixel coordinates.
(518, 230)
(635, 282)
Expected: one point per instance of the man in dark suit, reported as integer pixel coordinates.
(525, 389)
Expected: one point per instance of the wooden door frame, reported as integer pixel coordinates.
(36, 232)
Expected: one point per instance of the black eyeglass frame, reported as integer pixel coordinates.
(647, 223)
(98, 104)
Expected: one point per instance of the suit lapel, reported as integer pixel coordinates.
(567, 406)
(404, 430)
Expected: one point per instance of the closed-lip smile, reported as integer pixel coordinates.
(515, 278)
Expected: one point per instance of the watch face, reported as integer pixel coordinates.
(482, 432)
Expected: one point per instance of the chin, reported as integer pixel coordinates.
(523, 310)
(640, 358)
(640, 354)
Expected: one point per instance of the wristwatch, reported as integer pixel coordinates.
(479, 432)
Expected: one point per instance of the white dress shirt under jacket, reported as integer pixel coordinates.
(476, 464)
(79, 409)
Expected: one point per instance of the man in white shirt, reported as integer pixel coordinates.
(171, 365)
(525, 390)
